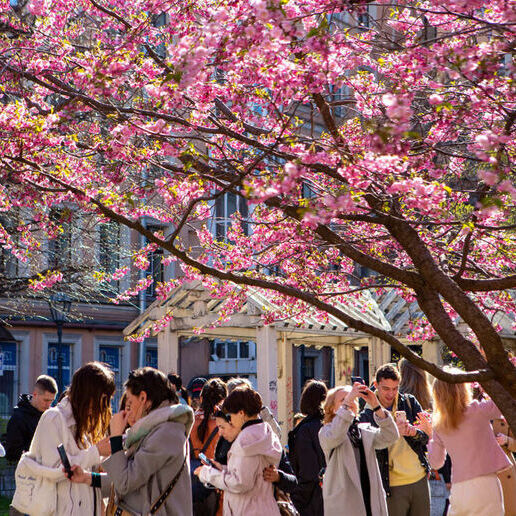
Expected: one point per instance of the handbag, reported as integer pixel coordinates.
(114, 509)
(36, 487)
(285, 505)
(507, 478)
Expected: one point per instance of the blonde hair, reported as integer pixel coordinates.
(450, 402)
(415, 381)
(329, 414)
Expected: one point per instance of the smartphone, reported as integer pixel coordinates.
(64, 459)
(358, 379)
(205, 460)
(400, 416)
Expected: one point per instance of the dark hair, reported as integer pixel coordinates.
(177, 382)
(46, 383)
(213, 392)
(222, 415)
(243, 398)
(154, 383)
(90, 397)
(387, 372)
(312, 398)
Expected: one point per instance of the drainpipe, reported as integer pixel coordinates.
(141, 302)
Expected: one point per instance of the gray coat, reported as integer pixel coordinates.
(342, 492)
(158, 444)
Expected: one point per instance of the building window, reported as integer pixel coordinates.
(232, 350)
(8, 377)
(60, 248)
(156, 268)
(109, 246)
(53, 362)
(244, 349)
(151, 357)
(112, 356)
(226, 206)
(308, 368)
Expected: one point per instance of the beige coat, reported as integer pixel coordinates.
(342, 492)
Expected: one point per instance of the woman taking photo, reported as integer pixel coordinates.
(154, 452)
(305, 453)
(462, 427)
(79, 422)
(255, 447)
(352, 478)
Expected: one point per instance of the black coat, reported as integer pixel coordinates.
(418, 443)
(307, 460)
(21, 428)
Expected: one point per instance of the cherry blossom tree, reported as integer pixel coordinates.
(373, 135)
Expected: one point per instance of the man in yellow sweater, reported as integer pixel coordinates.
(403, 465)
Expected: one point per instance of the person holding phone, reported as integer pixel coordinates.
(149, 468)
(403, 465)
(79, 423)
(352, 478)
(255, 447)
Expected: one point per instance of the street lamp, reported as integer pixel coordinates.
(60, 305)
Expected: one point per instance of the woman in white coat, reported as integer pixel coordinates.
(79, 422)
(352, 485)
(256, 447)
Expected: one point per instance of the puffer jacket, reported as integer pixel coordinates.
(245, 490)
(21, 428)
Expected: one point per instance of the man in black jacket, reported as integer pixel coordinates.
(403, 465)
(25, 418)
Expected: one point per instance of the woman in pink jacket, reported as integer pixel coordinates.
(462, 427)
(255, 448)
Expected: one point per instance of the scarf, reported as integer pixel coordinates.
(164, 412)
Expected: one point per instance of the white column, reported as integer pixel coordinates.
(168, 351)
(432, 351)
(343, 363)
(267, 366)
(285, 387)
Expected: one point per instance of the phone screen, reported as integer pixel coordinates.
(205, 460)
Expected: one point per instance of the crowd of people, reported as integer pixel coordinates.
(214, 448)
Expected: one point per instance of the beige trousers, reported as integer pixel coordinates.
(479, 496)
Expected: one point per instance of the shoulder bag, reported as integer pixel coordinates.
(113, 509)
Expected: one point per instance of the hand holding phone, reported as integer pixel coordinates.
(358, 379)
(400, 416)
(64, 459)
(205, 460)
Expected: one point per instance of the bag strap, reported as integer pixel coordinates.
(205, 445)
(210, 438)
(161, 500)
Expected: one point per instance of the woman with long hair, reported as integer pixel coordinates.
(462, 427)
(352, 478)
(204, 438)
(255, 448)
(213, 392)
(415, 381)
(154, 454)
(79, 422)
(305, 453)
